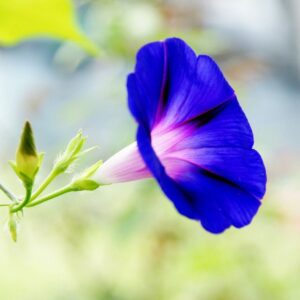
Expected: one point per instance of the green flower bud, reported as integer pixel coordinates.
(28, 161)
(71, 154)
(75, 145)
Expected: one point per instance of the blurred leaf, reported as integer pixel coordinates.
(23, 19)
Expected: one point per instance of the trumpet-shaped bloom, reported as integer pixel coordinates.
(192, 137)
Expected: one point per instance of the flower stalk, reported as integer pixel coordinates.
(44, 185)
(59, 192)
(21, 205)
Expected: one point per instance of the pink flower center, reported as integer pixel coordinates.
(128, 165)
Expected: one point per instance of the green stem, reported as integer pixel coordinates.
(24, 202)
(45, 183)
(9, 194)
(55, 194)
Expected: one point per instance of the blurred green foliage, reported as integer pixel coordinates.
(24, 19)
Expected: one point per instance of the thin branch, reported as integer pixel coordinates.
(9, 194)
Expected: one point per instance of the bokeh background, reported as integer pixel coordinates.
(126, 242)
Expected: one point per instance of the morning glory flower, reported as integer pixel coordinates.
(192, 137)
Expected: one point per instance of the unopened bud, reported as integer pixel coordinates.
(71, 154)
(28, 160)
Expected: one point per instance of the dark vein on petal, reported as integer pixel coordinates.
(163, 86)
(211, 174)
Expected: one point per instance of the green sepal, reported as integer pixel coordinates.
(84, 185)
(83, 182)
(89, 172)
(26, 180)
(41, 158)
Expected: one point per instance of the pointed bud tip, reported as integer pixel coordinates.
(28, 161)
(27, 144)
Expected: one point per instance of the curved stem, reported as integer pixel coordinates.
(9, 194)
(55, 194)
(24, 202)
(44, 184)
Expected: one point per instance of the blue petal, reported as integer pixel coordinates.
(218, 202)
(207, 89)
(181, 64)
(171, 83)
(146, 83)
(224, 126)
(235, 166)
